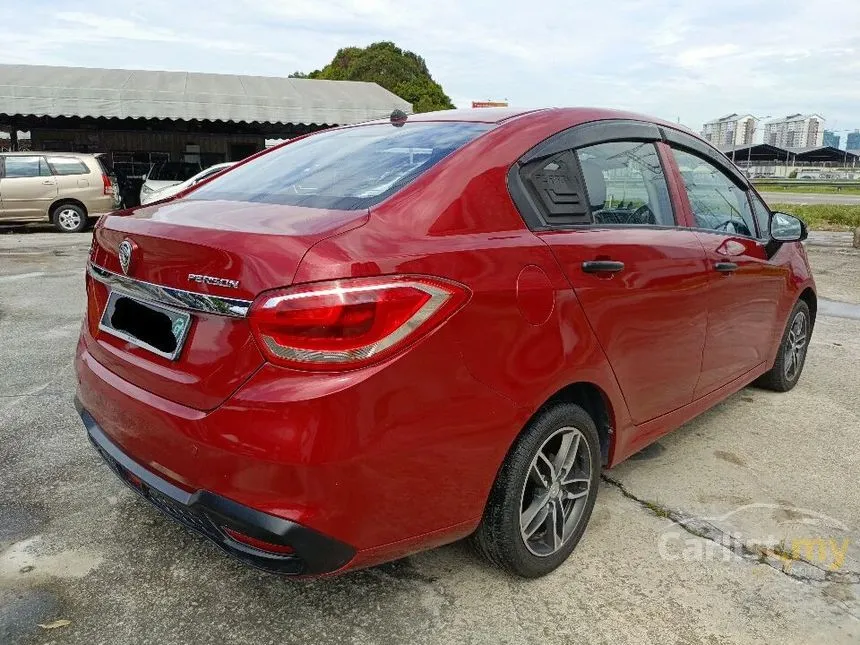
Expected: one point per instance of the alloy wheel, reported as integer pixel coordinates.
(69, 219)
(795, 348)
(555, 491)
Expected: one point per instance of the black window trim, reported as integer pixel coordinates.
(607, 131)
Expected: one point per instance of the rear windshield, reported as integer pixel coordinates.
(345, 169)
(107, 169)
(173, 171)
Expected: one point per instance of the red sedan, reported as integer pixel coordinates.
(382, 338)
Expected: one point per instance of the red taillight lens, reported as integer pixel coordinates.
(343, 324)
(256, 543)
(108, 188)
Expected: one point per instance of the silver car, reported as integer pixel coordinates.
(170, 191)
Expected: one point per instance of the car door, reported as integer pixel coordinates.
(641, 279)
(27, 187)
(745, 285)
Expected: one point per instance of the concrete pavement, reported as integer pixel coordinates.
(76, 545)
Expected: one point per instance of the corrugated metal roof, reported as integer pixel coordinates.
(116, 93)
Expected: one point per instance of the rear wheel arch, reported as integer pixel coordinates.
(62, 202)
(594, 400)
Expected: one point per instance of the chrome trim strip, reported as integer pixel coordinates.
(159, 294)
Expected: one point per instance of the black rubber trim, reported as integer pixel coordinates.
(590, 133)
(315, 553)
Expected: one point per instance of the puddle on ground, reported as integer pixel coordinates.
(838, 309)
(31, 558)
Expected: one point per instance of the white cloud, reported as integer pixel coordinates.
(673, 58)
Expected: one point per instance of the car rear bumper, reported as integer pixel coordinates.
(210, 514)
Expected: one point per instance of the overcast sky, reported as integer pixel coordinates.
(692, 60)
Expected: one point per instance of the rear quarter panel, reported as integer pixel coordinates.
(458, 221)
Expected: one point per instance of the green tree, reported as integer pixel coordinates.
(297, 75)
(401, 72)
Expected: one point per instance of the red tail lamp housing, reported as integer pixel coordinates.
(350, 323)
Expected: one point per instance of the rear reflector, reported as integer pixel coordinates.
(262, 545)
(344, 324)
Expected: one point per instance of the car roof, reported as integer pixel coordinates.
(474, 115)
(571, 116)
(30, 153)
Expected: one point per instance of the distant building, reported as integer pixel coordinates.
(852, 141)
(795, 131)
(832, 139)
(730, 130)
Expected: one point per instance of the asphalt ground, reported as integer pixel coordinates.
(788, 197)
(759, 469)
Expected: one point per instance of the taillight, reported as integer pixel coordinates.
(108, 188)
(344, 324)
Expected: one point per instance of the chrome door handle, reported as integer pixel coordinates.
(602, 266)
(48, 182)
(726, 267)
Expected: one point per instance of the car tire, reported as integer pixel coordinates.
(525, 482)
(69, 218)
(791, 356)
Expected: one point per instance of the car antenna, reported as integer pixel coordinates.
(398, 118)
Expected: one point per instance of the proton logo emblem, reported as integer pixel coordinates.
(125, 251)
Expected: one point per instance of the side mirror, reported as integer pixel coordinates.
(787, 228)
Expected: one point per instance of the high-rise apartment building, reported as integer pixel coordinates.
(831, 139)
(730, 130)
(852, 140)
(795, 131)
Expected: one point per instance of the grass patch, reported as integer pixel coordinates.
(766, 187)
(823, 216)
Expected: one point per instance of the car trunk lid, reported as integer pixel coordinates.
(208, 259)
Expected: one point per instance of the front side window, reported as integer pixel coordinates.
(68, 166)
(625, 184)
(350, 168)
(717, 203)
(21, 166)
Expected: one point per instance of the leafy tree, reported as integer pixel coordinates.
(297, 75)
(401, 72)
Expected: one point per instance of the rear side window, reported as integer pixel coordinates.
(173, 171)
(68, 166)
(16, 167)
(625, 184)
(348, 169)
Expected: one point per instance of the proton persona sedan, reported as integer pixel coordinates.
(382, 338)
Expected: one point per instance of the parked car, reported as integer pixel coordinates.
(175, 189)
(344, 351)
(64, 188)
(166, 174)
